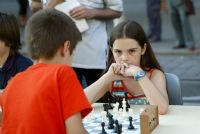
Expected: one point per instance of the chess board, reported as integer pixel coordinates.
(143, 122)
(93, 125)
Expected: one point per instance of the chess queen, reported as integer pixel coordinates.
(131, 55)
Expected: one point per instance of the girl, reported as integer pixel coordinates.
(131, 55)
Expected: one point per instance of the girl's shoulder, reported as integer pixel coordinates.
(155, 73)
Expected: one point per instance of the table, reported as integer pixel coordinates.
(179, 119)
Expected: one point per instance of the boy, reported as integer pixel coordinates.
(11, 61)
(40, 99)
(47, 97)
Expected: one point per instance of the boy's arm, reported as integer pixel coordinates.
(78, 128)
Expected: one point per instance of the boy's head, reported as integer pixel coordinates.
(47, 31)
(9, 32)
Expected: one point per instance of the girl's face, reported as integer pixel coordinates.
(126, 50)
(3, 48)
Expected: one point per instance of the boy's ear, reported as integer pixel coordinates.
(65, 48)
(144, 49)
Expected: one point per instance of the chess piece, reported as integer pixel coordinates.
(119, 100)
(126, 99)
(109, 103)
(116, 126)
(105, 107)
(119, 129)
(103, 129)
(111, 122)
(130, 125)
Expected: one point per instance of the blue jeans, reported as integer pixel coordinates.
(180, 23)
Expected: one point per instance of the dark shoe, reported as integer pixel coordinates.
(179, 47)
(192, 48)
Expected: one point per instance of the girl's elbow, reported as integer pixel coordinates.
(162, 110)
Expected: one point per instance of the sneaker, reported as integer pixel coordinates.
(179, 46)
(192, 48)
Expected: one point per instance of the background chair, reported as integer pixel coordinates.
(174, 89)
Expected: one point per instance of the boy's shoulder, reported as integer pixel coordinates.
(53, 67)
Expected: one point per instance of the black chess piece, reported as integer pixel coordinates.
(103, 129)
(131, 124)
(126, 99)
(116, 126)
(105, 107)
(119, 129)
(109, 103)
(111, 122)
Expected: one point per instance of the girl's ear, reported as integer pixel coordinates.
(144, 49)
(65, 48)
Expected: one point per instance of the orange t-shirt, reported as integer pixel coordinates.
(40, 99)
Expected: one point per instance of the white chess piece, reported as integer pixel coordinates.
(124, 114)
(115, 110)
(120, 115)
(124, 105)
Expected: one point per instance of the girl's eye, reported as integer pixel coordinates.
(131, 51)
(117, 52)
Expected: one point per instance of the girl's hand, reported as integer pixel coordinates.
(117, 68)
(131, 70)
(116, 71)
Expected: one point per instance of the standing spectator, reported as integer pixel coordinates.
(154, 20)
(23, 5)
(91, 54)
(181, 25)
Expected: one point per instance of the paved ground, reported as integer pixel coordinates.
(183, 63)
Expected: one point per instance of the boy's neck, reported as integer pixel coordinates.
(3, 59)
(45, 61)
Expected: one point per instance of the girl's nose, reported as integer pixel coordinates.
(124, 57)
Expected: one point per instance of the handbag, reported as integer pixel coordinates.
(189, 7)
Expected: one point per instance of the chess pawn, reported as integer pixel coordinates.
(130, 125)
(103, 129)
